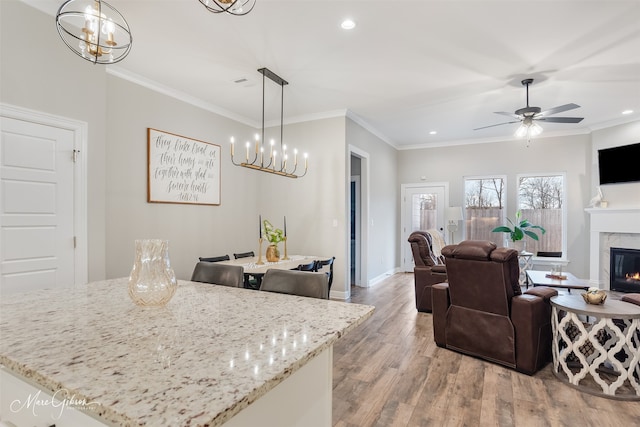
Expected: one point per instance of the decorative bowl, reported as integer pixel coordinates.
(594, 296)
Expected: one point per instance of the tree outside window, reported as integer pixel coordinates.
(541, 200)
(484, 206)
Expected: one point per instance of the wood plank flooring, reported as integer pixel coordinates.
(389, 372)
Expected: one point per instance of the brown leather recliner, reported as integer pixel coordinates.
(429, 269)
(482, 312)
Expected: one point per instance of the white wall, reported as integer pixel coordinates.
(618, 195)
(311, 204)
(40, 73)
(382, 251)
(570, 154)
(52, 79)
(315, 204)
(192, 230)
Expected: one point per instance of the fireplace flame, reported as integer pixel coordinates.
(633, 276)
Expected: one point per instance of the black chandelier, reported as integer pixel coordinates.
(233, 7)
(274, 162)
(94, 30)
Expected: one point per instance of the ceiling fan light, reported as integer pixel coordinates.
(535, 129)
(522, 130)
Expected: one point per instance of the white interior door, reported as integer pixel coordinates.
(423, 208)
(37, 206)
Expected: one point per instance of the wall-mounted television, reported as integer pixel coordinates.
(619, 164)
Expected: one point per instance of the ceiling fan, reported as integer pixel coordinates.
(528, 115)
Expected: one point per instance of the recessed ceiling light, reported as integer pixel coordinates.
(433, 132)
(348, 24)
(627, 112)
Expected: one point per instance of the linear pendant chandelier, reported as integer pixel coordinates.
(276, 164)
(94, 30)
(232, 7)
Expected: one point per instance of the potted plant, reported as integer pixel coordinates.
(519, 228)
(274, 236)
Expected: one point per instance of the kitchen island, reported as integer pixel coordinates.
(209, 357)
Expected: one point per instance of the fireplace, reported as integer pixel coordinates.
(624, 274)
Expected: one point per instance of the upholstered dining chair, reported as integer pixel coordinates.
(219, 274)
(429, 268)
(302, 283)
(244, 255)
(328, 263)
(215, 258)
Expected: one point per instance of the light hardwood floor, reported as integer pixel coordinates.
(389, 372)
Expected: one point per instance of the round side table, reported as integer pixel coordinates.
(596, 348)
(525, 263)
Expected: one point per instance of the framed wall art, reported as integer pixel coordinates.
(182, 170)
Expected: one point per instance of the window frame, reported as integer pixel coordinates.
(483, 177)
(545, 260)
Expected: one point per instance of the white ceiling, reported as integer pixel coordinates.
(408, 68)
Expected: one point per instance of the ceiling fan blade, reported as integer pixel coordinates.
(560, 119)
(504, 113)
(499, 124)
(557, 110)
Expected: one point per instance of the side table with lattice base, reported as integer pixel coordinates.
(600, 356)
(525, 263)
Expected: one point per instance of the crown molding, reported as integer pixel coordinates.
(360, 121)
(179, 95)
(473, 141)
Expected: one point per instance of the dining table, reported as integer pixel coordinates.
(251, 264)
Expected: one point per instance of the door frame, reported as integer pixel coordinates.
(80, 132)
(364, 217)
(404, 263)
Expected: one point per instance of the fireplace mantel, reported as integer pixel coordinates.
(608, 220)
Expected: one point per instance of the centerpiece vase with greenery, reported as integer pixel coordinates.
(274, 236)
(518, 230)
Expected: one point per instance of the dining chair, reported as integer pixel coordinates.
(306, 267)
(215, 258)
(219, 274)
(244, 255)
(320, 264)
(302, 283)
(251, 281)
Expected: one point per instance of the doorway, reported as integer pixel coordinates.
(354, 268)
(423, 208)
(358, 202)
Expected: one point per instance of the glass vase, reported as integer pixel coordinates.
(519, 245)
(152, 281)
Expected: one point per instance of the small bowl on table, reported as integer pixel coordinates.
(594, 296)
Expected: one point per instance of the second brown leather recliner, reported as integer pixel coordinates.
(429, 269)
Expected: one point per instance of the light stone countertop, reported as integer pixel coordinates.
(198, 361)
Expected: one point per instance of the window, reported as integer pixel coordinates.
(424, 211)
(541, 198)
(484, 199)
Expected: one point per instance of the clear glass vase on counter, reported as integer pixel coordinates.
(152, 281)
